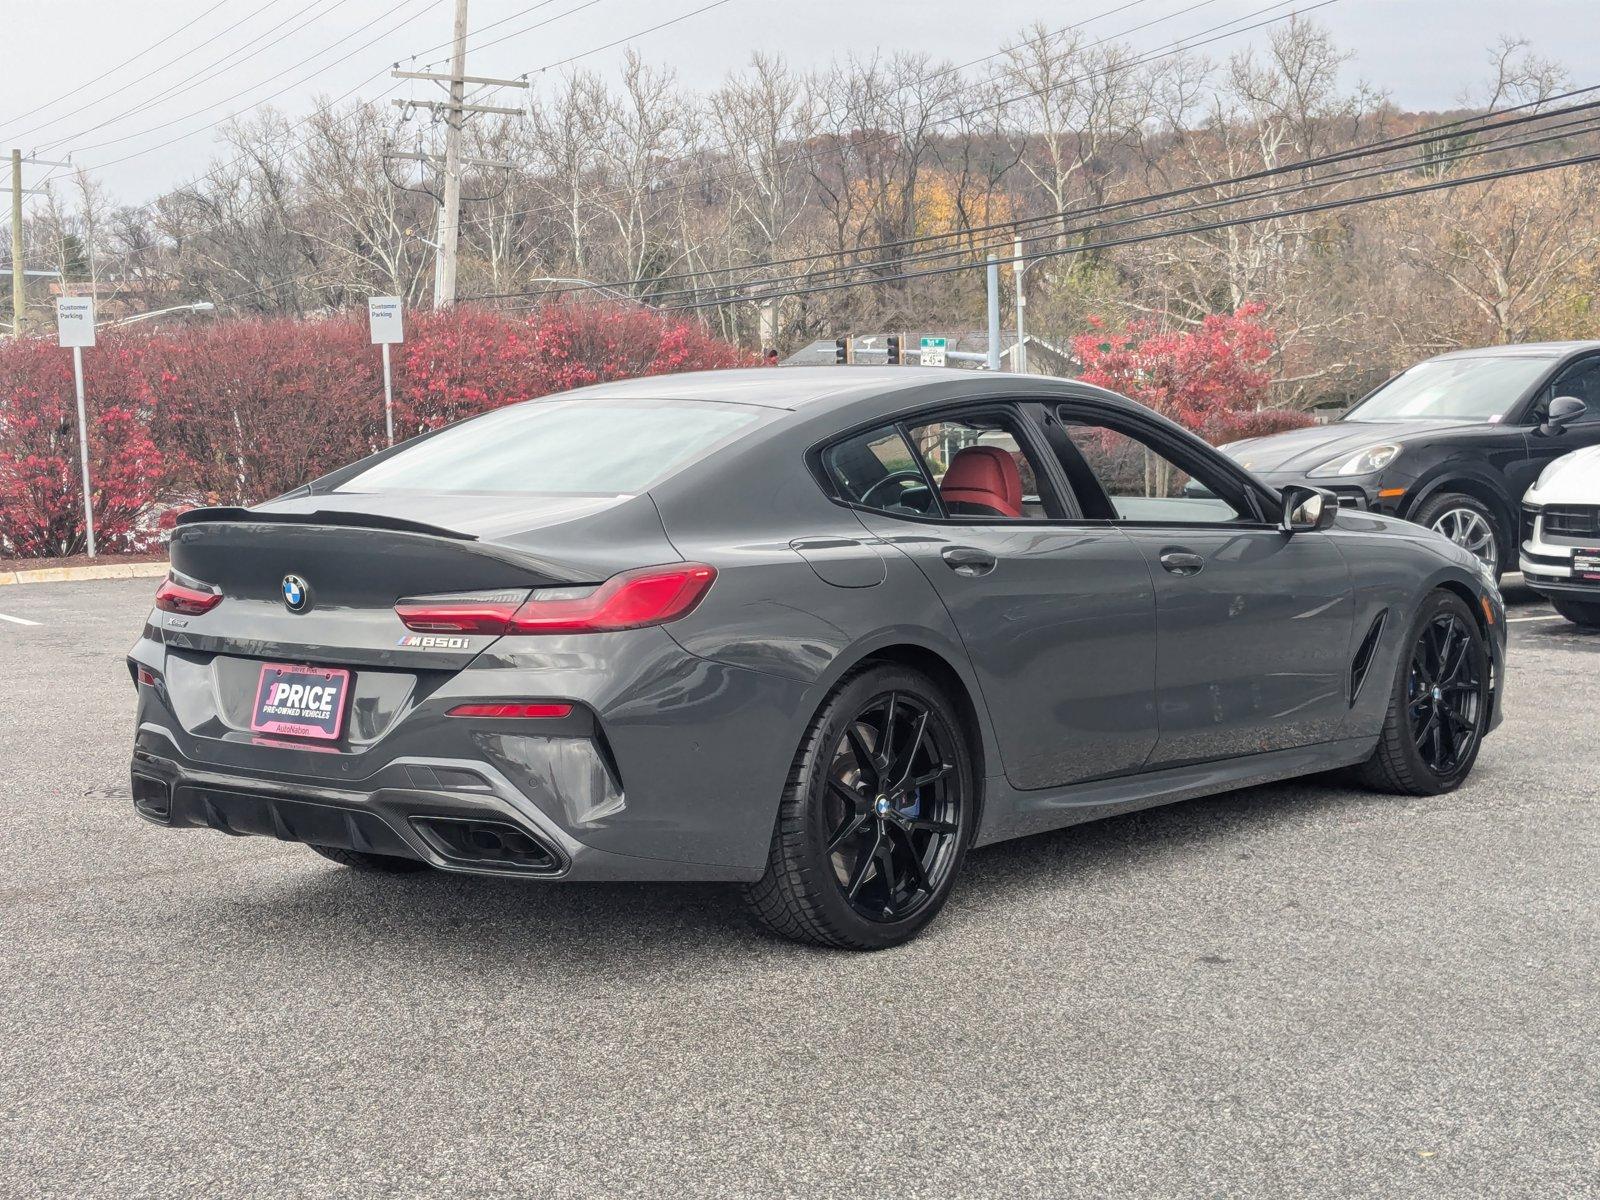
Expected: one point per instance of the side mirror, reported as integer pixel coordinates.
(1307, 509)
(1564, 410)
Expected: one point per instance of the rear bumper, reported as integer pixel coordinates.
(667, 767)
(489, 830)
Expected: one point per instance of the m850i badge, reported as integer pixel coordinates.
(418, 641)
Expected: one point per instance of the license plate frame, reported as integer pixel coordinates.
(309, 713)
(1586, 564)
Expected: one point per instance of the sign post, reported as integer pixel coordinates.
(933, 351)
(75, 328)
(388, 327)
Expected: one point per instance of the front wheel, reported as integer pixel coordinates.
(875, 818)
(1468, 522)
(1580, 612)
(1438, 705)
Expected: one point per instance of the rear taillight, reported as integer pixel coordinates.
(187, 597)
(147, 677)
(631, 600)
(466, 612)
(513, 710)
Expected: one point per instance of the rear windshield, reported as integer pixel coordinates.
(1453, 389)
(609, 447)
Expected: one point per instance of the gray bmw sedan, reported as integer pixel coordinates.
(815, 632)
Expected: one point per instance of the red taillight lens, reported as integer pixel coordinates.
(174, 597)
(631, 600)
(473, 612)
(147, 677)
(542, 709)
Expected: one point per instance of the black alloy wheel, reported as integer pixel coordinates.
(1438, 706)
(1445, 694)
(894, 814)
(876, 818)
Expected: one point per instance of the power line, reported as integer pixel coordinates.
(527, 28)
(1482, 123)
(1161, 235)
(290, 87)
(227, 63)
(1218, 32)
(561, 62)
(152, 72)
(1354, 174)
(38, 108)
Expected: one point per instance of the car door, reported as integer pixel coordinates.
(1582, 380)
(1057, 614)
(1253, 625)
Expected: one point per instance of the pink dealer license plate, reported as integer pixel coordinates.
(300, 701)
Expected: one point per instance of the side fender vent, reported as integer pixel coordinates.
(1364, 655)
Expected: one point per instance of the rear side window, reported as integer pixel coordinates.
(876, 469)
(605, 447)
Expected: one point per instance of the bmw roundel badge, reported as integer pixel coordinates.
(296, 593)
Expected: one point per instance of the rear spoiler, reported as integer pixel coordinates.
(357, 520)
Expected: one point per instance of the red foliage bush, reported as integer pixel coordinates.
(1212, 380)
(236, 412)
(41, 497)
(464, 361)
(250, 409)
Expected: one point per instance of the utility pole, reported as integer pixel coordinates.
(1018, 269)
(19, 278)
(444, 267)
(19, 272)
(994, 313)
(444, 263)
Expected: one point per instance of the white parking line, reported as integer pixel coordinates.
(17, 620)
(1519, 620)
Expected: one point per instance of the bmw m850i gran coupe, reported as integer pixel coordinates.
(815, 631)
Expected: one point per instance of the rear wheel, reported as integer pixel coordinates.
(1438, 705)
(383, 864)
(875, 819)
(1469, 523)
(1579, 612)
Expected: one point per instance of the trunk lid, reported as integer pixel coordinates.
(354, 558)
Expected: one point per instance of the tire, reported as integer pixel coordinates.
(901, 829)
(1454, 514)
(1431, 707)
(377, 864)
(1580, 612)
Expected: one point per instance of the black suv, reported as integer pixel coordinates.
(1451, 443)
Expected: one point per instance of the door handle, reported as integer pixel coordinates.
(1182, 562)
(968, 561)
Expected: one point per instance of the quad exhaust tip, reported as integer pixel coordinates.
(478, 843)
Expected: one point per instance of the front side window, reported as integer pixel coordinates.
(1581, 380)
(604, 447)
(981, 467)
(1137, 482)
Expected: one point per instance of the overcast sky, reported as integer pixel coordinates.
(1423, 53)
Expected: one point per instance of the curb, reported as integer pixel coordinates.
(72, 574)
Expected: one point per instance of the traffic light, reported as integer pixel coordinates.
(894, 349)
(843, 352)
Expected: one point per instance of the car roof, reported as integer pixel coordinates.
(787, 388)
(1524, 350)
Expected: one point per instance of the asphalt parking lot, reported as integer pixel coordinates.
(1292, 991)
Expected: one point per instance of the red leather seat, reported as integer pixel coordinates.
(983, 480)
